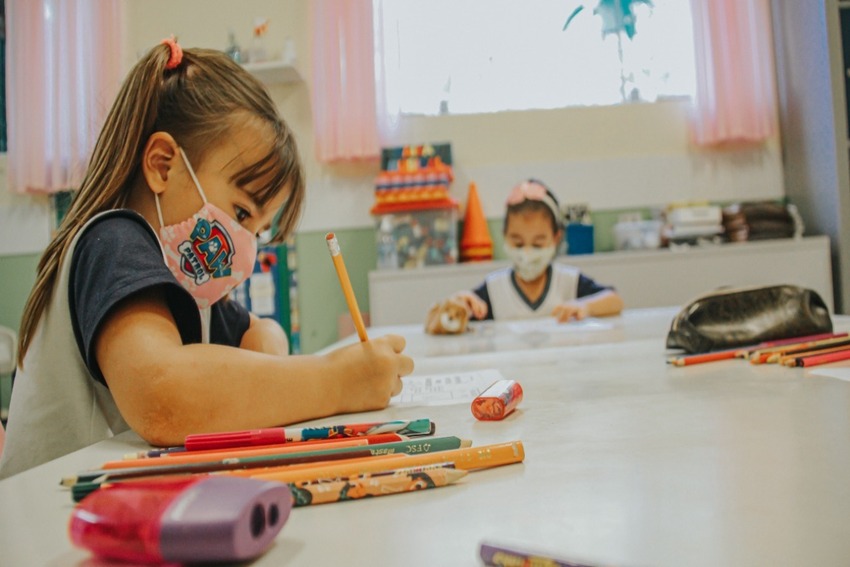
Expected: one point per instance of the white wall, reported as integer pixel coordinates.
(610, 157)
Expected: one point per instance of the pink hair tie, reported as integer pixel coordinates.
(526, 190)
(176, 52)
(533, 191)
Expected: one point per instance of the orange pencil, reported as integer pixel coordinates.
(791, 359)
(205, 456)
(705, 357)
(805, 351)
(764, 355)
(773, 346)
(469, 458)
(345, 282)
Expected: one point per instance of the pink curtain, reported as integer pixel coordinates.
(343, 89)
(63, 69)
(736, 87)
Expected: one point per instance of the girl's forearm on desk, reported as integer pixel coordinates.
(166, 390)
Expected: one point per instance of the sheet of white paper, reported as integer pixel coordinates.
(444, 389)
(551, 325)
(841, 372)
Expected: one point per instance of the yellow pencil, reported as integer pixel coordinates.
(342, 273)
(468, 458)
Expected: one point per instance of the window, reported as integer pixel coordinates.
(474, 56)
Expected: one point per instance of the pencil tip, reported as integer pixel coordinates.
(68, 481)
(453, 475)
(464, 443)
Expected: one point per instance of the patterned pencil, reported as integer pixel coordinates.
(276, 435)
(436, 444)
(382, 484)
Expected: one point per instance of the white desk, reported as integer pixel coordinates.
(628, 461)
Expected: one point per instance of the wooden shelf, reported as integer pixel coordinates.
(274, 72)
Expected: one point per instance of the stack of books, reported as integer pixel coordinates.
(693, 224)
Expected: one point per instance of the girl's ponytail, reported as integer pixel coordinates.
(198, 96)
(113, 164)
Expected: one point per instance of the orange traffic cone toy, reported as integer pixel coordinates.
(475, 244)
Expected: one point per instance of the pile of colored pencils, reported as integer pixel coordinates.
(320, 464)
(805, 351)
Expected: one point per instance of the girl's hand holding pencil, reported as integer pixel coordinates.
(371, 370)
(369, 373)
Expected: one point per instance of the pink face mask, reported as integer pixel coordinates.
(209, 253)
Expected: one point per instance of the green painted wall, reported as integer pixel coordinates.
(17, 276)
(320, 297)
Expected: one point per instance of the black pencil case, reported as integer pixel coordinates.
(730, 318)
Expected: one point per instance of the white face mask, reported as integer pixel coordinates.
(530, 262)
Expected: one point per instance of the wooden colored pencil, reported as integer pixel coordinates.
(208, 456)
(818, 359)
(304, 445)
(782, 356)
(345, 282)
(437, 444)
(687, 360)
(745, 352)
(472, 458)
(791, 359)
(762, 356)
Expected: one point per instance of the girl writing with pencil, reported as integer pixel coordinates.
(535, 286)
(128, 324)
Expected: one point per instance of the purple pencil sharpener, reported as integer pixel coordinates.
(206, 519)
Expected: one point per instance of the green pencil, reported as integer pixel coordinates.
(412, 447)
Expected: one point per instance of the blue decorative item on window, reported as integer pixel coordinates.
(617, 16)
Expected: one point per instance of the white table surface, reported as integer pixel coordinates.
(629, 461)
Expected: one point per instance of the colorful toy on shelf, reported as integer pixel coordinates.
(475, 244)
(413, 177)
(416, 217)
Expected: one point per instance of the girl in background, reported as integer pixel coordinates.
(128, 325)
(535, 286)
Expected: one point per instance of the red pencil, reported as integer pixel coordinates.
(824, 358)
(745, 352)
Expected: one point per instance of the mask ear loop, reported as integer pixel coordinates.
(192, 174)
(194, 180)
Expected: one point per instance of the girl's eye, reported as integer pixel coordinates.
(242, 214)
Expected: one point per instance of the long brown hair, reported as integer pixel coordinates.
(194, 102)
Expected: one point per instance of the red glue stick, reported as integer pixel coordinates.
(497, 401)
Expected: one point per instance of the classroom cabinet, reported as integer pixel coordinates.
(649, 278)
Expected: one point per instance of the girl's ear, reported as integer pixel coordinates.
(158, 160)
